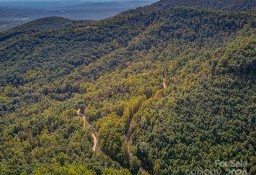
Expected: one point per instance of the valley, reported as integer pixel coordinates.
(14, 14)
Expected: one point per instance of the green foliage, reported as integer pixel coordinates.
(62, 170)
(135, 164)
(111, 171)
(114, 70)
(111, 133)
(232, 5)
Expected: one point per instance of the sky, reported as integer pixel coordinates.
(63, 0)
(13, 2)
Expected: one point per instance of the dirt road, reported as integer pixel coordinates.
(86, 123)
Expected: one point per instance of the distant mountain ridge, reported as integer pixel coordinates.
(11, 15)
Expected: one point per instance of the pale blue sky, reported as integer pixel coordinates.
(41, 0)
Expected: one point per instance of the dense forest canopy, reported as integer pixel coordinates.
(231, 5)
(165, 89)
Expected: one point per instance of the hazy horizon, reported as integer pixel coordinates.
(16, 12)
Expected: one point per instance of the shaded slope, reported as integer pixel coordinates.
(115, 68)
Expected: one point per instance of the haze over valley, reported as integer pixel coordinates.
(13, 13)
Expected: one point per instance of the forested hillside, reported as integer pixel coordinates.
(163, 89)
(231, 5)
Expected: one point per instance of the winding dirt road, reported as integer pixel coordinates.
(164, 84)
(85, 122)
(95, 142)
